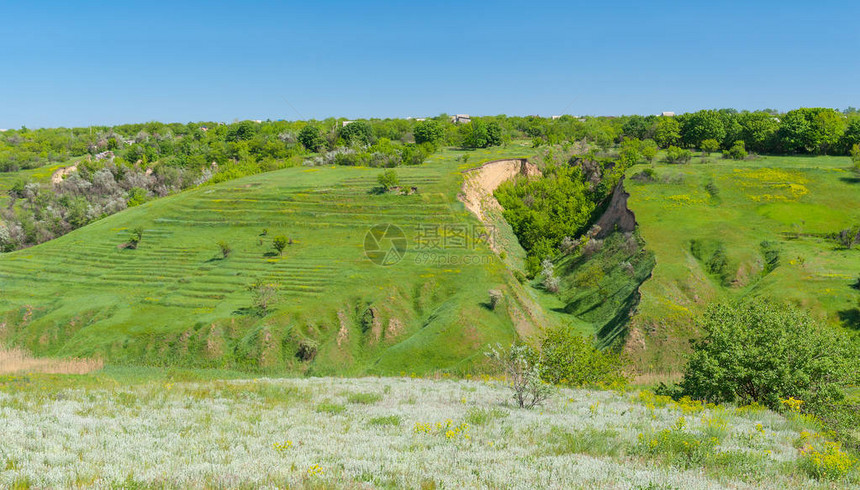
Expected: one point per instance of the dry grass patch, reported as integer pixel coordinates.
(19, 361)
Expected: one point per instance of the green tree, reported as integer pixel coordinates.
(703, 125)
(311, 138)
(668, 132)
(810, 130)
(765, 353)
(630, 152)
(758, 130)
(649, 150)
(357, 132)
(709, 146)
(224, 248)
(279, 243)
(429, 131)
(388, 179)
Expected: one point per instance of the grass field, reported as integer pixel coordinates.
(110, 430)
(788, 202)
(174, 300)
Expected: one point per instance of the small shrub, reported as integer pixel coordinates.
(495, 298)
(388, 179)
(523, 371)
(224, 248)
(279, 244)
(678, 155)
(264, 295)
(571, 359)
(737, 151)
(135, 238)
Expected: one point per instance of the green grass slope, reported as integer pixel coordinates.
(174, 301)
(728, 229)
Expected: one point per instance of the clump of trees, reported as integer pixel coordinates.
(764, 353)
(543, 211)
(100, 187)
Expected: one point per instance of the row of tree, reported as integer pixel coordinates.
(805, 130)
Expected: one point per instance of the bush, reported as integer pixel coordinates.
(759, 352)
(523, 371)
(311, 138)
(737, 151)
(550, 282)
(678, 155)
(225, 249)
(569, 358)
(388, 179)
(279, 243)
(495, 298)
(709, 146)
(135, 238)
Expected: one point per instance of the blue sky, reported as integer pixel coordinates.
(80, 63)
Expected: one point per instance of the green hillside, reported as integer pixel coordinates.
(175, 301)
(729, 228)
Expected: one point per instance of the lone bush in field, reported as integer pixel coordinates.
(569, 358)
(738, 151)
(224, 248)
(135, 238)
(678, 155)
(495, 298)
(649, 150)
(762, 352)
(521, 366)
(279, 243)
(388, 179)
(264, 294)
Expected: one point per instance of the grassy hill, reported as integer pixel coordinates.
(175, 301)
(728, 229)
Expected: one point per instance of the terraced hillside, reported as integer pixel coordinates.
(176, 301)
(728, 229)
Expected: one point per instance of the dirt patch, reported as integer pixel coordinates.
(58, 175)
(479, 184)
(19, 361)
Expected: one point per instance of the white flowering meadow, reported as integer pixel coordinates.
(382, 432)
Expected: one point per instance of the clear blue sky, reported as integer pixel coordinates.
(80, 63)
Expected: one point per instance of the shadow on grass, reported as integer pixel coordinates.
(271, 254)
(850, 180)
